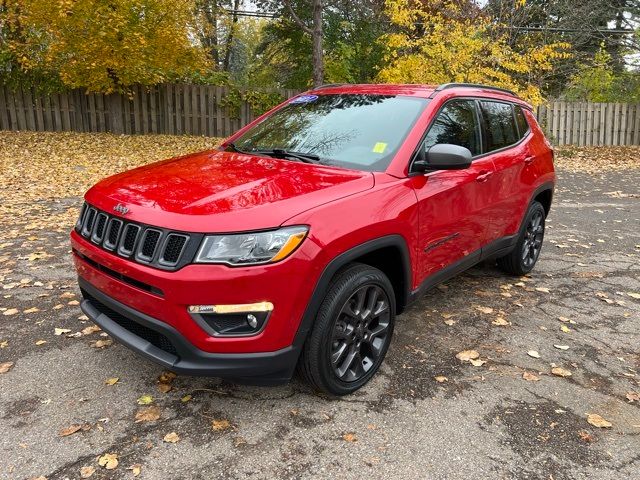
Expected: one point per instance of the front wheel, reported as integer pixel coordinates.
(527, 250)
(352, 331)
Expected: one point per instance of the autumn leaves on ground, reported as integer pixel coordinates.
(487, 377)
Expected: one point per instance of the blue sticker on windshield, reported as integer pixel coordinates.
(304, 99)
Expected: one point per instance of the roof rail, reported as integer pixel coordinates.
(444, 86)
(328, 85)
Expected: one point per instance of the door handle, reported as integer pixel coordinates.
(483, 176)
(529, 160)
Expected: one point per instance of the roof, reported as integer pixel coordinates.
(425, 91)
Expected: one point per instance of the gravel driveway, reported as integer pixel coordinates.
(72, 400)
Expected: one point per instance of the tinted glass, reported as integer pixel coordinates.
(521, 121)
(348, 130)
(500, 125)
(456, 124)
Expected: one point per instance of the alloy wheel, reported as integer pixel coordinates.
(360, 333)
(533, 239)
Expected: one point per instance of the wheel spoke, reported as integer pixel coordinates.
(337, 355)
(346, 363)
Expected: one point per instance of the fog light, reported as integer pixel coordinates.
(232, 320)
(233, 308)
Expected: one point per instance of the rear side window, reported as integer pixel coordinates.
(457, 124)
(521, 121)
(500, 125)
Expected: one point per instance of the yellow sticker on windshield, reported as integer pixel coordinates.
(379, 147)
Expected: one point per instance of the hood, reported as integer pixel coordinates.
(218, 191)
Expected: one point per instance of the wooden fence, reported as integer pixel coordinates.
(587, 124)
(205, 110)
(170, 109)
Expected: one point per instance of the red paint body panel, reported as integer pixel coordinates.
(216, 191)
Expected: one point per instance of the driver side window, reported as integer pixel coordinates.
(457, 124)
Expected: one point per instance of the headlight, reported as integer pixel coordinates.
(251, 248)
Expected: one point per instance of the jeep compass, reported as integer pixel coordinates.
(295, 244)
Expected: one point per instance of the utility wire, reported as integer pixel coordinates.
(247, 13)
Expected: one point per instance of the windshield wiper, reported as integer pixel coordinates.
(278, 153)
(282, 153)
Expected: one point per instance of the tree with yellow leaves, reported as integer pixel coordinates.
(440, 45)
(101, 45)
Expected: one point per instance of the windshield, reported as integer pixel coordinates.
(348, 130)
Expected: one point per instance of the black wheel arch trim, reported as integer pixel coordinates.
(334, 266)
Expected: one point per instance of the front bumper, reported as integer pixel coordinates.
(164, 345)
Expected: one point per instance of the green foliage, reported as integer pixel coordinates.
(259, 101)
(598, 82)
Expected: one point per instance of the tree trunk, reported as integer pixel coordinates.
(234, 21)
(316, 35)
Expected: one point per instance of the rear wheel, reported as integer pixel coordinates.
(352, 332)
(524, 256)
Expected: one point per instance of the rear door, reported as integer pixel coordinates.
(506, 142)
(453, 204)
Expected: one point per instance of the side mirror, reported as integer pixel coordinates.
(443, 156)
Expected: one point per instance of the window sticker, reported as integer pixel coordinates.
(379, 147)
(304, 99)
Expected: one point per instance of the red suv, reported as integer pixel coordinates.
(300, 239)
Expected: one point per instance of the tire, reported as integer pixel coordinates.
(524, 256)
(350, 332)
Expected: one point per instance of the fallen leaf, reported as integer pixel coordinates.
(108, 461)
(478, 362)
(533, 353)
(31, 310)
(10, 311)
(486, 310)
(148, 414)
(631, 396)
(220, 425)
(172, 437)
(586, 436)
(562, 347)
(86, 472)
(60, 331)
(441, 379)
(560, 372)
(449, 322)
(350, 437)
(542, 289)
(164, 387)
(40, 342)
(597, 421)
(565, 329)
(102, 343)
(530, 377)
(185, 399)
(90, 330)
(501, 322)
(5, 367)
(145, 400)
(65, 432)
(111, 381)
(634, 295)
(467, 355)
(135, 469)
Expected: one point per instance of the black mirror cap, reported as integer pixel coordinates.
(445, 156)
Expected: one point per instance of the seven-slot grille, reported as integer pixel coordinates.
(157, 247)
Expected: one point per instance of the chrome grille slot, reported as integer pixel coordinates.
(148, 244)
(98, 232)
(113, 234)
(173, 248)
(128, 240)
(87, 225)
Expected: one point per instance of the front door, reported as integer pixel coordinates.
(453, 204)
